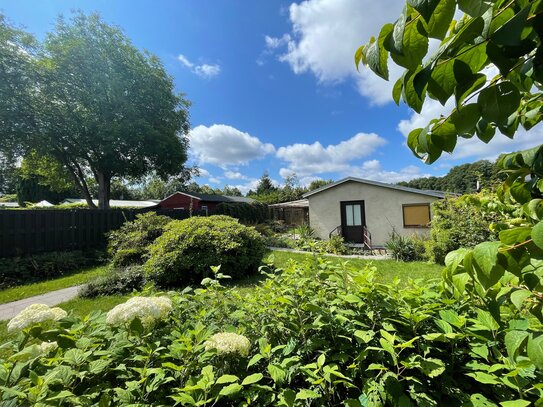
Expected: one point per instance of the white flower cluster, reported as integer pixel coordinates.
(48, 347)
(147, 309)
(34, 314)
(229, 343)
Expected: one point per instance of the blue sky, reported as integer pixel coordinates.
(274, 87)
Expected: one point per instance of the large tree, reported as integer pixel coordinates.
(98, 106)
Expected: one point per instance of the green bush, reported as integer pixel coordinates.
(334, 245)
(465, 221)
(189, 248)
(116, 282)
(130, 243)
(44, 266)
(406, 248)
(315, 334)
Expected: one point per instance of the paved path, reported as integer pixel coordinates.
(10, 309)
(343, 256)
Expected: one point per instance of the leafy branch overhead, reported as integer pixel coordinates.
(490, 61)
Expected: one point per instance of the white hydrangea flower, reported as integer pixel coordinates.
(48, 347)
(35, 314)
(147, 309)
(228, 343)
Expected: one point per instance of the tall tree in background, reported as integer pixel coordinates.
(265, 185)
(462, 178)
(98, 106)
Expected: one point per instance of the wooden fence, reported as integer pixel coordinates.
(34, 231)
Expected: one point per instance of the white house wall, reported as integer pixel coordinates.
(383, 207)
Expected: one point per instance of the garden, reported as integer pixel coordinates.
(198, 312)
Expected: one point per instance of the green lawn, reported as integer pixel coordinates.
(387, 270)
(30, 290)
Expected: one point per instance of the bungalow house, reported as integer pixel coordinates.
(366, 212)
(199, 202)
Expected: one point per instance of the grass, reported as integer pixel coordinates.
(30, 290)
(387, 270)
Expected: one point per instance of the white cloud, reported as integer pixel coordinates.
(234, 175)
(224, 145)
(203, 173)
(251, 184)
(325, 36)
(373, 170)
(214, 180)
(312, 159)
(473, 148)
(203, 70)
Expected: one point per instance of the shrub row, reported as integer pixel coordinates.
(315, 334)
(38, 267)
(246, 212)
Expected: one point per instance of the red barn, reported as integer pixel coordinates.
(198, 202)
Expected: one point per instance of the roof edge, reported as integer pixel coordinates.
(436, 194)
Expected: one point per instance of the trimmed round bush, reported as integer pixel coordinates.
(188, 249)
(130, 243)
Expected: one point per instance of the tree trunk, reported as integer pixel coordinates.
(82, 186)
(104, 189)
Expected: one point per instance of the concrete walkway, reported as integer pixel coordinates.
(343, 256)
(10, 309)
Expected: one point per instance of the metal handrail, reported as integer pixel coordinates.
(367, 238)
(336, 230)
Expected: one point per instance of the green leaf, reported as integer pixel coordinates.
(415, 46)
(441, 19)
(184, 399)
(466, 118)
(424, 7)
(230, 389)
(499, 101)
(254, 360)
(254, 378)
(516, 235)
(306, 394)
(485, 131)
(397, 91)
(486, 320)
(474, 8)
(413, 98)
(277, 373)
(394, 43)
(485, 262)
(465, 89)
(515, 403)
(364, 336)
(432, 367)
(514, 340)
(509, 34)
(377, 56)
(537, 234)
(535, 351)
(484, 378)
(227, 378)
(519, 296)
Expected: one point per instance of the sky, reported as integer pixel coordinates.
(274, 87)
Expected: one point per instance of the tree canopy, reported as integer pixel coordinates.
(462, 179)
(490, 61)
(89, 100)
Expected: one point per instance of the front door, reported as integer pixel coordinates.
(353, 220)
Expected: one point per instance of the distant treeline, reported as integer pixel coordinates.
(461, 179)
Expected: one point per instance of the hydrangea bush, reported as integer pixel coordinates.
(312, 334)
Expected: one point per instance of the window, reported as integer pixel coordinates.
(204, 208)
(353, 215)
(416, 215)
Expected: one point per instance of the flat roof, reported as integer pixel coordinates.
(436, 194)
(300, 203)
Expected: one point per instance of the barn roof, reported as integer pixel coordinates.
(214, 198)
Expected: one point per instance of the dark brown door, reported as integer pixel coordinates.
(353, 220)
